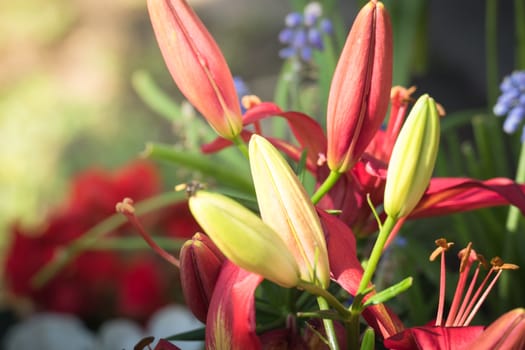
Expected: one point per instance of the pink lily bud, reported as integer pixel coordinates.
(360, 89)
(200, 264)
(196, 64)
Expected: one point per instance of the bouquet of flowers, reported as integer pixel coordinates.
(295, 231)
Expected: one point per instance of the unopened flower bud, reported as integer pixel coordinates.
(200, 265)
(244, 238)
(196, 64)
(286, 207)
(507, 332)
(413, 158)
(360, 89)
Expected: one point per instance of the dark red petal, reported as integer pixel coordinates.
(231, 316)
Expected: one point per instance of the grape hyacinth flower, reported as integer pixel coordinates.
(304, 32)
(512, 102)
(242, 90)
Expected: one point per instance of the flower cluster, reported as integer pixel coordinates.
(512, 102)
(275, 266)
(97, 284)
(293, 241)
(304, 32)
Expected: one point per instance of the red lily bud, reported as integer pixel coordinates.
(507, 332)
(196, 64)
(360, 89)
(200, 264)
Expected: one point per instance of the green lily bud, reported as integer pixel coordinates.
(244, 238)
(286, 207)
(413, 159)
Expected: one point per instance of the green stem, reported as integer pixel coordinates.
(92, 236)
(325, 298)
(376, 253)
(238, 141)
(328, 183)
(136, 243)
(328, 325)
(513, 219)
(330, 298)
(353, 329)
(356, 308)
(491, 21)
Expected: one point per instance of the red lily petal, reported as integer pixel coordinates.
(231, 317)
(347, 271)
(306, 130)
(163, 344)
(452, 195)
(434, 338)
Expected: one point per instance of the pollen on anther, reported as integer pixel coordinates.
(250, 101)
(442, 246)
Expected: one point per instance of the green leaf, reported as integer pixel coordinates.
(195, 335)
(390, 292)
(220, 171)
(153, 96)
(368, 342)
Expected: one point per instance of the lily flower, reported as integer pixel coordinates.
(455, 332)
(196, 64)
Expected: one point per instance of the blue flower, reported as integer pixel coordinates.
(242, 90)
(304, 33)
(511, 103)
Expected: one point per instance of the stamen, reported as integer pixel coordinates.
(443, 246)
(126, 208)
(249, 101)
(482, 299)
(475, 298)
(497, 265)
(466, 298)
(467, 256)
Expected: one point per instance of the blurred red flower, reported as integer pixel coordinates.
(98, 285)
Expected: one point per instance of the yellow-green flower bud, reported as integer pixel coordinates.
(286, 207)
(413, 159)
(244, 238)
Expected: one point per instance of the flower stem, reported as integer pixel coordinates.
(513, 219)
(326, 299)
(238, 141)
(357, 307)
(328, 325)
(330, 298)
(328, 183)
(376, 253)
(514, 213)
(96, 233)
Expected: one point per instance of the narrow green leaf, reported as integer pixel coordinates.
(368, 342)
(193, 335)
(208, 166)
(153, 96)
(390, 292)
